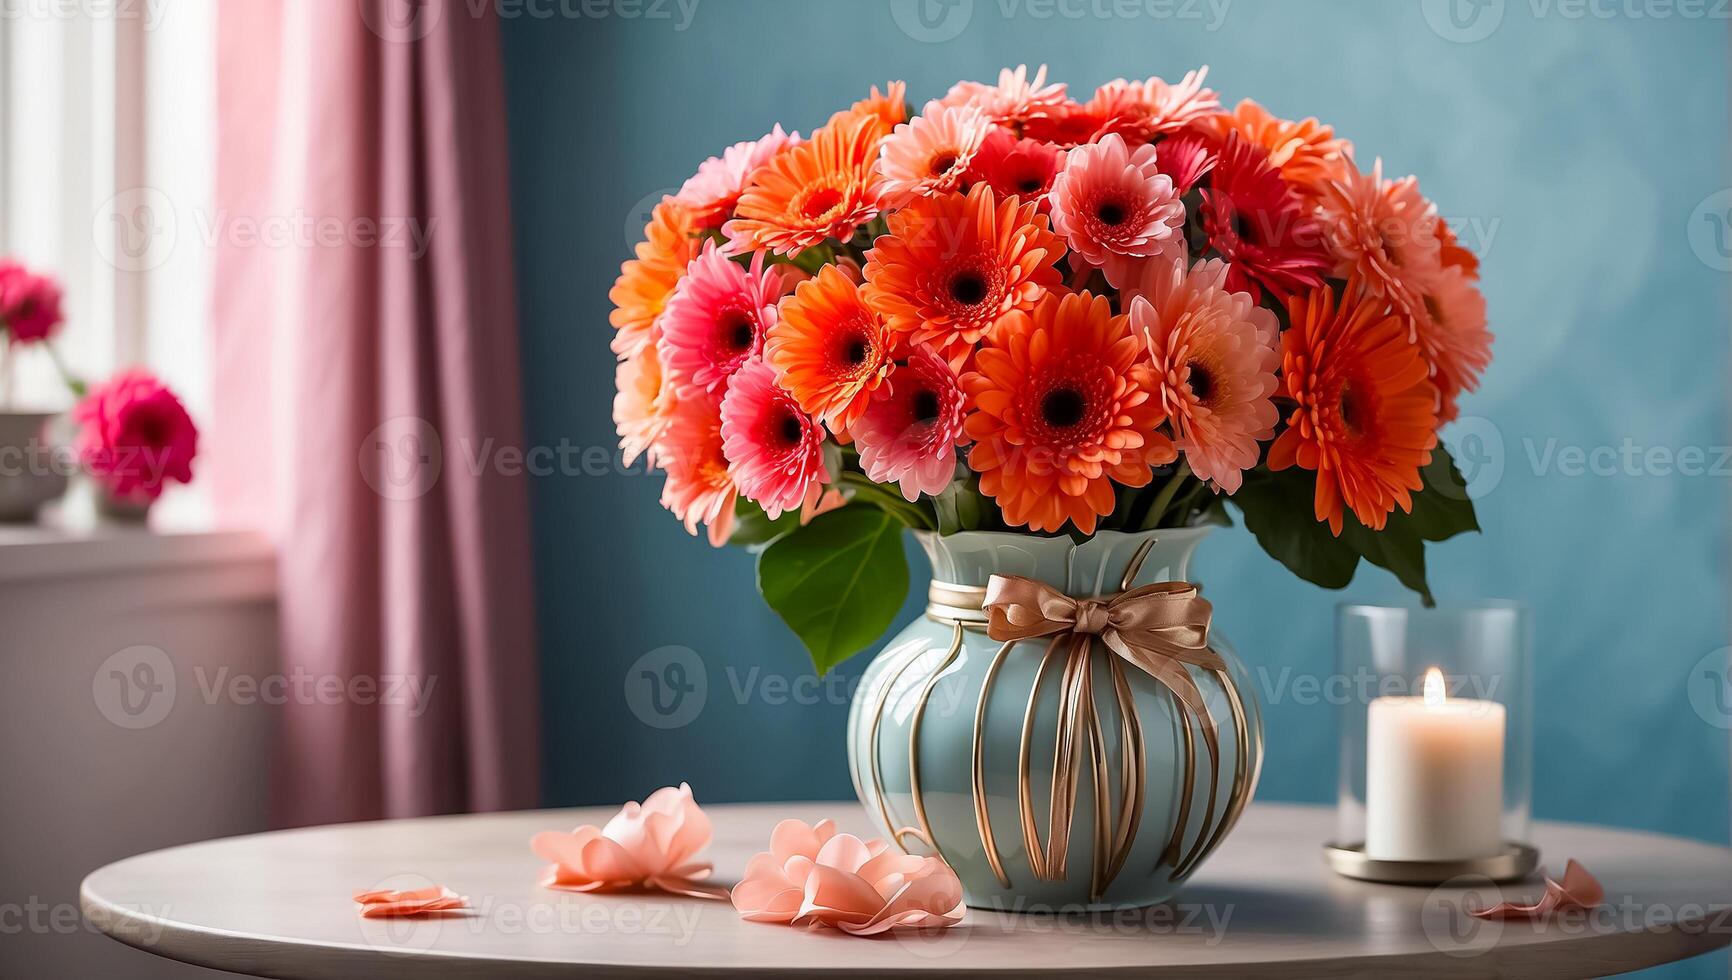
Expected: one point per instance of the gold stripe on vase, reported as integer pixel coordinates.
(1161, 629)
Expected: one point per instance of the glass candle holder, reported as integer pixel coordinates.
(1436, 766)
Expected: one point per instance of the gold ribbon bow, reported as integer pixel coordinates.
(1158, 629)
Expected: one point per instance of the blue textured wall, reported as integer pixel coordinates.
(1573, 152)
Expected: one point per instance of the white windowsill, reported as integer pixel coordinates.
(75, 547)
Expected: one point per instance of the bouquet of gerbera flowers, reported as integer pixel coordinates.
(1018, 311)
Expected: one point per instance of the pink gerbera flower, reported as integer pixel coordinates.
(1021, 168)
(774, 450)
(1453, 336)
(910, 432)
(1187, 158)
(712, 192)
(698, 487)
(1015, 100)
(134, 436)
(1140, 111)
(29, 303)
(1215, 355)
(930, 153)
(1115, 207)
(1260, 225)
(717, 319)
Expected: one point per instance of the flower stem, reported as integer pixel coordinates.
(73, 384)
(890, 501)
(1158, 509)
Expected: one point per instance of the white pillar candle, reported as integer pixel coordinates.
(1433, 777)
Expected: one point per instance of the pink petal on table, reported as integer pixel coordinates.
(1579, 890)
(385, 903)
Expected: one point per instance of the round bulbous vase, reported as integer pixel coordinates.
(954, 738)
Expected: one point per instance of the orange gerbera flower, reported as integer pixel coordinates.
(646, 282)
(1307, 152)
(829, 349)
(823, 188)
(886, 109)
(1367, 415)
(952, 266)
(1063, 412)
(1453, 336)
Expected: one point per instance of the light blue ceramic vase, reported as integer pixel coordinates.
(943, 771)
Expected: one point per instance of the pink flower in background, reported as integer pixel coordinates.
(812, 875)
(1015, 100)
(910, 431)
(1116, 209)
(1140, 111)
(134, 436)
(29, 303)
(775, 451)
(930, 153)
(1187, 158)
(716, 319)
(653, 845)
(1215, 354)
(712, 192)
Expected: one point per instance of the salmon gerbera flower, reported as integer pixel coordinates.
(698, 488)
(1214, 353)
(930, 153)
(1366, 419)
(910, 432)
(774, 450)
(823, 188)
(717, 319)
(1015, 101)
(952, 266)
(1024, 168)
(645, 283)
(642, 403)
(1453, 336)
(1384, 233)
(1116, 209)
(1260, 225)
(830, 350)
(1063, 412)
(1140, 111)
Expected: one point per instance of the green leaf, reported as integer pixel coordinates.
(1278, 511)
(838, 582)
(1398, 548)
(753, 528)
(1443, 509)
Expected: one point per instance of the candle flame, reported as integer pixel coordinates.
(1433, 687)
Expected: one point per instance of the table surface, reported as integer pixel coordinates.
(278, 905)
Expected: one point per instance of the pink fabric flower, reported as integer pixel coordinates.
(29, 304)
(651, 846)
(698, 487)
(385, 903)
(1215, 354)
(134, 435)
(712, 192)
(930, 153)
(1116, 209)
(910, 432)
(716, 319)
(1022, 168)
(774, 450)
(812, 875)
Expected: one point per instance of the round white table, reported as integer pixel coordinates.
(278, 905)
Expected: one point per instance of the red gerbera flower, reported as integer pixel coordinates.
(1260, 226)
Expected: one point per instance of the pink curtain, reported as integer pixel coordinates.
(366, 359)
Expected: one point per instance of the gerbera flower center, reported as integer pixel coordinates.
(1433, 309)
(736, 331)
(1062, 408)
(1031, 182)
(941, 163)
(924, 405)
(1350, 409)
(1112, 212)
(968, 287)
(785, 430)
(820, 202)
(1201, 381)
